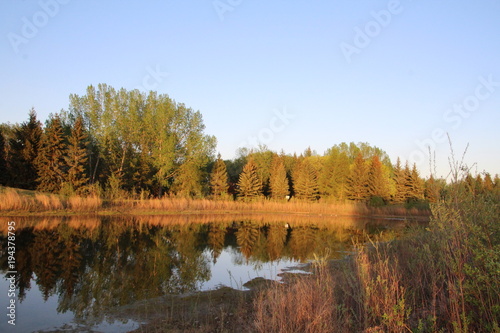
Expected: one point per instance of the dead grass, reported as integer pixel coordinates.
(15, 200)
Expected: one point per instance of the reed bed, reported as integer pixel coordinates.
(14, 200)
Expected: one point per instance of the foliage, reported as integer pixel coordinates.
(249, 184)
(278, 180)
(22, 152)
(219, 178)
(50, 162)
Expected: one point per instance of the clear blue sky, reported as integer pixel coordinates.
(292, 74)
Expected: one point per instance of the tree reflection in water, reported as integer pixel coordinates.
(94, 264)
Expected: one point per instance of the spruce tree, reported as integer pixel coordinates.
(50, 163)
(23, 152)
(357, 182)
(431, 191)
(414, 184)
(400, 178)
(249, 184)
(333, 178)
(377, 182)
(187, 182)
(76, 156)
(278, 181)
(218, 178)
(306, 181)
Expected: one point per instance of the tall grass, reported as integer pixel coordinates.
(14, 200)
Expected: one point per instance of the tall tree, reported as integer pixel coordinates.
(333, 178)
(414, 184)
(187, 181)
(278, 181)
(218, 178)
(23, 151)
(400, 178)
(249, 184)
(51, 166)
(378, 183)
(357, 182)
(306, 181)
(76, 156)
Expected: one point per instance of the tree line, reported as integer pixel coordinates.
(128, 144)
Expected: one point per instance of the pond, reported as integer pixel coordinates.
(70, 271)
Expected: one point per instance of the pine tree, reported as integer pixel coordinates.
(357, 182)
(278, 181)
(23, 152)
(488, 184)
(400, 177)
(414, 184)
(333, 178)
(306, 181)
(218, 179)
(377, 182)
(76, 156)
(51, 166)
(431, 192)
(249, 184)
(187, 183)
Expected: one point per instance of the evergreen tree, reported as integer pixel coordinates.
(188, 180)
(218, 179)
(357, 183)
(333, 178)
(23, 151)
(51, 165)
(378, 185)
(432, 191)
(249, 184)
(414, 184)
(400, 177)
(76, 156)
(278, 181)
(306, 181)
(488, 184)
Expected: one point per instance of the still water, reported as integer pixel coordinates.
(70, 271)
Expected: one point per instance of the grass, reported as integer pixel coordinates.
(441, 278)
(22, 202)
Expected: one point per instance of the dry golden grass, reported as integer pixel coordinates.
(77, 203)
(15, 200)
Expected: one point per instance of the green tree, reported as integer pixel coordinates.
(333, 178)
(218, 178)
(50, 162)
(400, 178)
(378, 183)
(249, 184)
(128, 129)
(76, 156)
(23, 152)
(306, 181)
(357, 182)
(187, 182)
(414, 184)
(278, 181)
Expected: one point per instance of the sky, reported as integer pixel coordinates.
(400, 75)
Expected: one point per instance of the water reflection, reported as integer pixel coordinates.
(94, 264)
